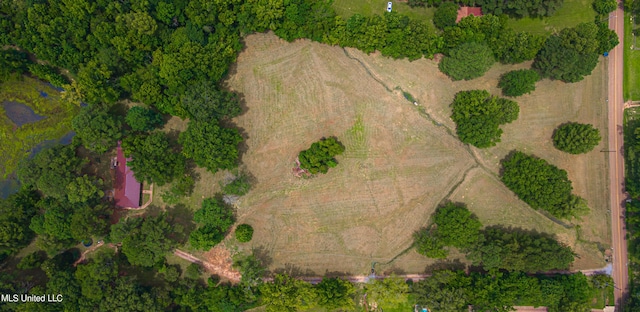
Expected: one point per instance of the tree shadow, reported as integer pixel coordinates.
(294, 271)
(183, 216)
(262, 255)
(336, 274)
(451, 265)
(394, 271)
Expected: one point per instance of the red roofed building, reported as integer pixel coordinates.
(466, 11)
(128, 190)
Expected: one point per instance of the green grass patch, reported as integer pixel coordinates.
(346, 8)
(572, 13)
(631, 81)
(17, 142)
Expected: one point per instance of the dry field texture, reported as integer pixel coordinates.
(401, 161)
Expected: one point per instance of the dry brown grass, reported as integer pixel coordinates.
(398, 165)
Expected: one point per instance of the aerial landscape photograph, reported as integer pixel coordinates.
(320, 155)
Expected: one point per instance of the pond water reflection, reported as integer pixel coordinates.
(19, 113)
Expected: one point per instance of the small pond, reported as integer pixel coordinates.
(11, 184)
(20, 114)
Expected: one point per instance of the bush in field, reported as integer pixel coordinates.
(319, 157)
(518, 82)
(244, 233)
(478, 117)
(576, 138)
(239, 186)
(467, 61)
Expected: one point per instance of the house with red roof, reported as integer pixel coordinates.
(466, 11)
(128, 191)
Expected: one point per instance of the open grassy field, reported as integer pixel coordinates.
(572, 13)
(346, 8)
(631, 71)
(401, 161)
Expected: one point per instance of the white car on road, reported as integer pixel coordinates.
(389, 5)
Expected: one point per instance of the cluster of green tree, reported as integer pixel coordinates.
(541, 185)
(498, 291)
(632, 220)
(320, 156)
(603, 7)
(214, 219)
(632, 157)
(478, 116)
(517, 9)
(509, 249)
(573, 53)
(14, 62)
(16, 212)
(244, 233)
(576, 138)
(518, 82)
(633, 7)
(145, 241)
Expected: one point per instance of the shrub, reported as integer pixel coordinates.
(48, 73)
(518, 82)
(467, 61)
(605, 6)
(239, 186)
(319, 157)
(576, 138)
(244, 233)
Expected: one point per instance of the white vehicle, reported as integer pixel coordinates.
(389, 5)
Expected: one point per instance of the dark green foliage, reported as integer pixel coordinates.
(84, 189)
(48, 73)
(518, 82)
(512, 47)
(239, 186)
(608, 38)
(244, 233)
(456, 225)
(97, 128)
(478, 117)
(605, 6)
(467, 61)
(286, 294)
(517, 8)
(193, 271)
(32, 260)
(51, 170)
(87, 222)
(148, 244)
(631, 153)
(153, 159)
(520, 250)
(215, 218)
(12, 62)
(143, 119)
(429, 244)
(210, 145)
(320, 156)
(540, 184)
(571, 54)
(576, 138)
(204, 101)
(335, 293)
(445, 15)
(16, 212)
(444, 291)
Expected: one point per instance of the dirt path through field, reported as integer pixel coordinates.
(218, 263)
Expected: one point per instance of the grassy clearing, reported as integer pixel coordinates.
(400, 161)
(631, 85)
(17, 142)
(346, 8)
(572, 13)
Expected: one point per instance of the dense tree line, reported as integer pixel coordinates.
(517, 9)
(541, 185)
(632, 220)
(632, 157)
(453, 225)
(478, 116)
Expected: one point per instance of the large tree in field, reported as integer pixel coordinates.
(320, 156)
(478, 117)
(467, 61)
(541, 185)
(97, 128)
(576, 138)
(148, 244)
(518, 82)
(210, 145)
(457, 226)
(153, 158)
(570, 55)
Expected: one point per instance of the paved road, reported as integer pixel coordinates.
(616, 161)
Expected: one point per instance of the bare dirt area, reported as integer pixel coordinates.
(398, 165)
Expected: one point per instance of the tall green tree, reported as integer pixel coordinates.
(204, 101)
(446, 15)
(148, 245)
(320, 156)
(97, 128)
(143, 119)
(215, 218)
(335, 293)
(153, 159)
(467, 61)
(286, 294)
(576, 138)
(518, 82)
(51, 170)
(457, 226)
(210, 145)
